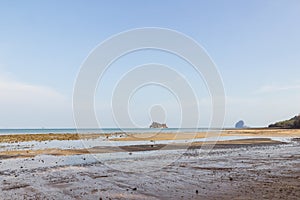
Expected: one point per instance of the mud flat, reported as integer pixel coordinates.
(250, 168)
(135, 148)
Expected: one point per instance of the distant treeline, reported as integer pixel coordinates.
(291, 123)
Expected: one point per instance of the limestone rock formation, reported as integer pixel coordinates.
(240, 124)
(158, 125)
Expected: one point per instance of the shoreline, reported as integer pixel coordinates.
(254, 167)
(122, 136)
(137, 148)
(238, 172)
(12, 146)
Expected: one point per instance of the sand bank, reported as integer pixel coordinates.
(48, 137)
(134, 148)
(151, 136)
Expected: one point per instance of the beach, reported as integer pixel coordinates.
(231, 164)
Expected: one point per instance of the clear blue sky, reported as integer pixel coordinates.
(255, 45)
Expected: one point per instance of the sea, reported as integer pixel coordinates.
(98, 131)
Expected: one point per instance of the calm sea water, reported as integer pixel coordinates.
(104, 130)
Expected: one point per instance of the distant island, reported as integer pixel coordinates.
(158, 125)
(240, 124)
(293, 123)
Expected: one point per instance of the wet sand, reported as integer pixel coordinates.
(246, 172)
(256, 168)
(133, 148)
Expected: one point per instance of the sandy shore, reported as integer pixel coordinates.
(151, 136)
(133, 148)
(228, 172)
(46, 137)
(234, 132)
(256, 167)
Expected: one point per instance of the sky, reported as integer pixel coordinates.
(254, 44)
